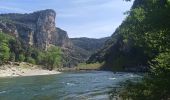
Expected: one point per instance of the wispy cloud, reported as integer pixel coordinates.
(12, 9)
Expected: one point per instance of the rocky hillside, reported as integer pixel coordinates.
(38, 30)
(90, 45)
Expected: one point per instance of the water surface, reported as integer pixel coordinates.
(93, 85)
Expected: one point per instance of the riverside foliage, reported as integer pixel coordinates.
(148, 27)
(12, 49)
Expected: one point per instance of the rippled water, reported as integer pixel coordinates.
(94, 85)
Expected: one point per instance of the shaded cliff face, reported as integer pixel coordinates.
(120, 56)
(35, 29)
(61, 39)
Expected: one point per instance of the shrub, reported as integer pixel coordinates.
(31, 60)
(21, 58)
(12, 57)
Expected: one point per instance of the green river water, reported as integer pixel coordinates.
(92, 85)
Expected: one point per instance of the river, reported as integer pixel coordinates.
(92, 85)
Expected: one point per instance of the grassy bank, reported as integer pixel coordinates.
(93, 66)
(82, 67)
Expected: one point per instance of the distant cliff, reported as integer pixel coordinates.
(90, 45)
(38, 30)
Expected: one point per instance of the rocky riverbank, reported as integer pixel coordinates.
(23, 69)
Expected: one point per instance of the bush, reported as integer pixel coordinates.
(21, 58)
(53, 58)
(4, 52)
(156, 85)
(40, 59)
(4, 48)
(30, 60)
(12, 57)
(161, 64)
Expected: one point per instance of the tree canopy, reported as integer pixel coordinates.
(148, 27)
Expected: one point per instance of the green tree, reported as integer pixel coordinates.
(53, 57)
(15, 47)
(41, 57)
(4, 49)
(4, 52)
(148, 27)
(21, 57)
(30, 60)
(12, 56)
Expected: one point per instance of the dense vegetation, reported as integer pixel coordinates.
(138, 40)
(13, 50)
(148, 27)
(4, 48)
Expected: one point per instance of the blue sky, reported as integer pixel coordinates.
(80, 18)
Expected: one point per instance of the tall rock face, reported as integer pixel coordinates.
(35, 29)
(38, 30)
(45, 28)
(61, 39)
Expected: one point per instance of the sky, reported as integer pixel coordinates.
(80, 18)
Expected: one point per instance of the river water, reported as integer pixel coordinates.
(92, 85)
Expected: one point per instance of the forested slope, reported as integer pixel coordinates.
(142, 36)
(90, 45)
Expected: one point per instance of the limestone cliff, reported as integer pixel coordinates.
(35, 29)
(38, 30)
